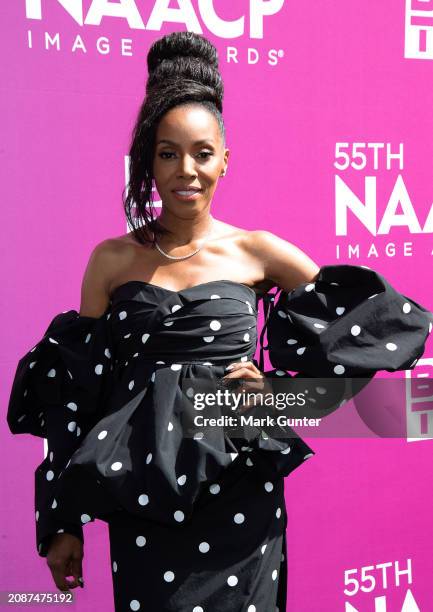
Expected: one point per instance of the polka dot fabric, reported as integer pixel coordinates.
(195, 523)
(349, 322)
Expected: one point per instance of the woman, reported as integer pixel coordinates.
(196, 522)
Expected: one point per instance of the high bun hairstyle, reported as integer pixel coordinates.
(182, 69)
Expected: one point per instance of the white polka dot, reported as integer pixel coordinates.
(278, 512)
(149, 458)
(122, 315)
(49, 475)
(99, 368)
(134, 605)
(190, 392)
(215, 325)
(140, 541)
(248, 462)
(179, 516)
(170, 426)
(208, 338)
(102, 434)
(181, 480)
(169, 576)
(406, 307)
(31, 365)
(339, 369)
(269, 486)
(246, 337)
(309, 287)
(51, 373)
(143, 500)
(114, 566)
(274, 574)
(72, 406)
(391, 346)
(203, 547)
(355, 330)
(145, 338)
(281, 314)
(51, 455)
(232, 581)
(340, 309)
(168, 323)
(176, 307)
(292, 341)
(280, 373)
(215, 296)
(300, 350)
(72, 425)
(263, 548)
(309, 455)
(131, 385)
(319, 325)
(244, 358)
(54, 504)
(214, 489)
(251, 608)
(53, 341)
(239, 518)
(116, 466)
(107, 353)
(60, 531)
(85, 518)
(176, 366)
(197, 609)
(37, 515)
(198, 436)
(285, 451)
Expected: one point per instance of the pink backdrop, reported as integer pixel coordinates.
(310, 88)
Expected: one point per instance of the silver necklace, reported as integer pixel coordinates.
(203, 241)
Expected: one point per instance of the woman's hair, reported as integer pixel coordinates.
(182, 69)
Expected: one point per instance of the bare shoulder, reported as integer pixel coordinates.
(284, 263)
(104, 261)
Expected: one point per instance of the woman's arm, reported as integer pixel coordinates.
(283, 262)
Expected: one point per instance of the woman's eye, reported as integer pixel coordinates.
(206, 153)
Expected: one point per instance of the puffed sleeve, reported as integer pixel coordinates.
(58, 393)
(349, 322)
(342, 328)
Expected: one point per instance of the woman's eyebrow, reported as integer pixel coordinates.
(197, 142)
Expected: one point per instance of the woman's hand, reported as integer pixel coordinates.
(64, 558)
(256, 381)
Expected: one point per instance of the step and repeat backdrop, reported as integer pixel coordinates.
(328, 111)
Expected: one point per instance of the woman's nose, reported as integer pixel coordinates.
(187, 166)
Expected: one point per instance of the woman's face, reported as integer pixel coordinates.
(189, 153)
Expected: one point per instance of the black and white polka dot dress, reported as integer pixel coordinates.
(197, 523)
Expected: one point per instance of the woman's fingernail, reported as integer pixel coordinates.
(230, 367)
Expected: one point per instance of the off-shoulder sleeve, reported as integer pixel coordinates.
(346, 326)
(58, 393)
(349, 322)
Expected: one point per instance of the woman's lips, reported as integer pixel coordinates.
(187, 194)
